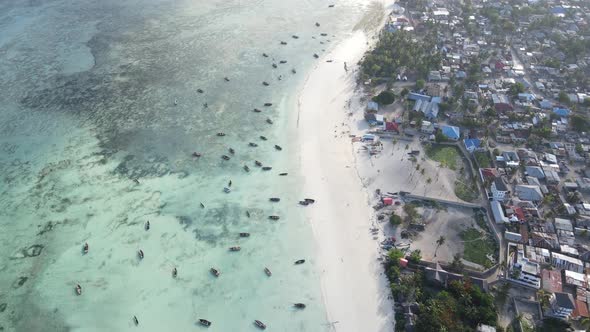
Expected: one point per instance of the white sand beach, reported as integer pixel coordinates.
(354, 287)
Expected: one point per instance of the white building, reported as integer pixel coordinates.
(499, 189)
(566, 262)
(522, 270)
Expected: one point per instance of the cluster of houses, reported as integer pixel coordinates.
(541, 203)
(539, 198)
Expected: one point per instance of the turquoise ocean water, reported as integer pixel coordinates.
(87, 105)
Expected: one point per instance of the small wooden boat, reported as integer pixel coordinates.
(135, 320)
(204, 322)
(248, 214)
(283, 43)
(266, 168)
(174, 273)
(323, 34)
(226, 190)
(253, 144)
(224, 157)
(202, 205)
(283, 61)
(274, 65)
(263, 138)
(295, 37)
(329, 60)
(304, 203)
(299, 305)
(278, 147)
(147, 225)
(317, 24)
(85, 248)
(220, 134)
(226, 79)
(283, 174)
(197, 155)
(260, 324)
(78, 289)
(232, 151)
(140, 254)
(273, 217)
(246, 168)
(265, 55)
(215, 272)
(257, 110)
(236, 248)
(330, 6)
(267, 271)
(310, 200)
(315, 55)
(257, 163)
(265, 83)
(274, 199)
(267, 104)
(293, 71)
(244, 234)
(200, 91)
(269, 121)
(301, 261)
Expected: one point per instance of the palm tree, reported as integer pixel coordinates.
(441, 240)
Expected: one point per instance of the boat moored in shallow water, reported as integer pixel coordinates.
(215, 272)
(260, 324)
(299, 262)
(204, 322)
(267, 271)
(78, 289)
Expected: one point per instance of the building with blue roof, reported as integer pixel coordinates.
(563, 112)
(546, 104)
(472, 144)
(526, 97)
(451, 132)
(417, 96)
(372, 106)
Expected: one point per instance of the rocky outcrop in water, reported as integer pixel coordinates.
(32, 251)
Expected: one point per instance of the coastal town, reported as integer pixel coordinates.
(483, 106)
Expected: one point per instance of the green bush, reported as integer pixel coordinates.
(395, 219)
(415, 256)
(384, 98)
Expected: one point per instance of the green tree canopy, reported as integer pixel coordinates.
(580, 123)
(385, 97)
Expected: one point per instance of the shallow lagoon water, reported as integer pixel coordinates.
(87, 105)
